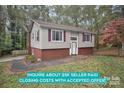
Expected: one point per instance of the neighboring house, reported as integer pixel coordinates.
(52, 41)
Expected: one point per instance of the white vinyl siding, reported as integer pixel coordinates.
(36, 31)
(44, 43)
(32, 35)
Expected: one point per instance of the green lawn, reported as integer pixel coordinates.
(107, 66)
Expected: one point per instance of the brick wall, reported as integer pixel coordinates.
(48, 54)
(85, 51)
(55, 53)
(37, 52)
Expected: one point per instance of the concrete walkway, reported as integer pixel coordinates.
(11, 59)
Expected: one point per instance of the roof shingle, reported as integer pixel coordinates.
(60, 26)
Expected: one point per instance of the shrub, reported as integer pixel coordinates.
(31, 58)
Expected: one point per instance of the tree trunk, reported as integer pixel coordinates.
(119, 48)
(97, 40)
(0, 53)
(28, 43)
(28, 38)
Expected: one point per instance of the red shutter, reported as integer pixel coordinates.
(49, 34)
(64, 36)
(91, 37)
(83, 37)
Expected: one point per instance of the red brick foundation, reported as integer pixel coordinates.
(85, 51)
(55, 53)
(48, 54)
(37, 52)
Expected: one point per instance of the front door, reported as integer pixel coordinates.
(73, 46)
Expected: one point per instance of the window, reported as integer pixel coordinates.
(37, 35)
(87, 37)
(57, 35)
(73, 38)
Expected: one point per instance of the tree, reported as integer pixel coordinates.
(2, 28)
(18, 26)
(95, 17)
(113, 33)
(92, 18)
(74, 12)
(113, 30)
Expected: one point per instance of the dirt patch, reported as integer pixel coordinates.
(7, 68)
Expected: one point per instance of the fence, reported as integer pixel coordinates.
(121, 52)
(110, 52)
(19, 52)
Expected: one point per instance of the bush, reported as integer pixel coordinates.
(31, 58)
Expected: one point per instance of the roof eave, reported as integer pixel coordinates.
(67, 29)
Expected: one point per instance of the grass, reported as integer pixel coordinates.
(107, 66)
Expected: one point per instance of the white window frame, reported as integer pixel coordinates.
(58, 31)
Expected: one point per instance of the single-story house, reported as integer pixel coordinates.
(52, 41)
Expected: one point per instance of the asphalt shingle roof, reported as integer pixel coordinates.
(60, 26)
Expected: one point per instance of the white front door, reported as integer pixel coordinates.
(73, 46)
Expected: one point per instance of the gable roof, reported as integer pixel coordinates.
(60, 26)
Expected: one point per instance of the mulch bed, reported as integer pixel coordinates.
(19, 66)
